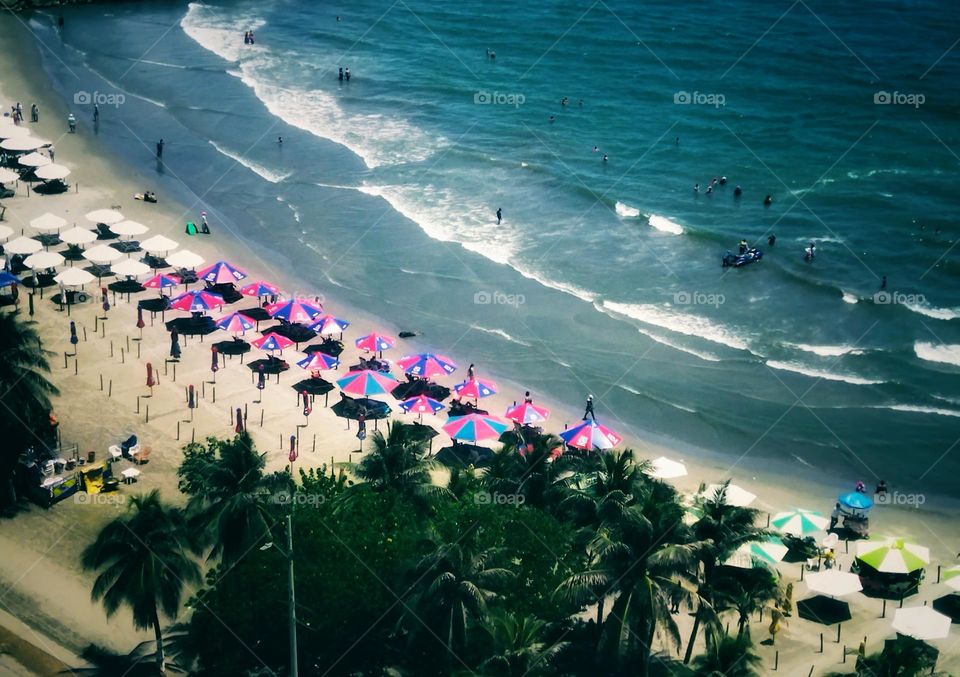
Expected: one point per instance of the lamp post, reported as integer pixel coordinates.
(294, 672)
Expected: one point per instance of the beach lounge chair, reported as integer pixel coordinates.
(115, 453)
(129, 446)
(104, 232)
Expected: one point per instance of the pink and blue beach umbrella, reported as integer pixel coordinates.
(527, 414)
(235, 323)
(327, 325)
(588, 435)
(427, 365)
(474, 427)
(221, 272)
(375, 342)
(197, 301)
(258, 289)
(162, 281)
(294, 311)
(272, 342)
(422, 405)
(475, 388)
(318, 360)
(367, 382)
(6, 279)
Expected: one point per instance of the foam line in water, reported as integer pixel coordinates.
(665, 225)
(942, 353)
(271, 175)
(803, 369)
(825, 351)
(678, 322)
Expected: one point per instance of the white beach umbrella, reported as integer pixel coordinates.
(102, 254)
(130, 268)
(106, 216)
(48, 223)
(833, 583)
(8, 175)
(34, 160)
(74, 277)
(736, 495)
(23, 144)
(158, 244)
(921, 622)
(665, 469)
(23, 245)
(185, 259)
(129, 227)
(43, 260)
(13, 132)
(78, 235)
(5, 232)
(52, 172)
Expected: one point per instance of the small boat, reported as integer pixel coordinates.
(737, 260)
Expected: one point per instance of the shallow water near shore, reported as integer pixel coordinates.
(604, 277)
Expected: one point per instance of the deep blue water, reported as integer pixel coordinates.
(605, 277)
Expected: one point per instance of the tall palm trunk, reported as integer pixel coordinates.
(693, 634)
(161, 663)
(600, 612)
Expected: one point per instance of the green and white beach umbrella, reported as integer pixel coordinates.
(893, 555)
(766, 552)
(951, 577)
(799, 522)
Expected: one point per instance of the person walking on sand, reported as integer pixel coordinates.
(34, 113)
(499, 215)
(96, 113)
(204, 226)
(160, 149)
(588, 410)
(340, 74)
(346, 73)
(72, 123)
(174, 344)
(52, 152)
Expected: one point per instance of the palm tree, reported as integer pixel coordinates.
(721, 529)
(535, 472)
(25, 392)
(230, 496)
(397, 463)
(746, 593)
(454, 586)
(143, 563)
(106, 663)
(638, 557)
(727, 656)
(518, 645)
(900, 657)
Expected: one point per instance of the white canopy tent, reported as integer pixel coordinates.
(158, 244)
(23, 245)
(34, 160)
(8, 175)
(128, 227)
(921, 622)
(78, 236)
(74, 277)
(23, 144)
(102, 254)
(43, 260)
(52, 172)
(185, 259)
(48, 223)
(130, 268)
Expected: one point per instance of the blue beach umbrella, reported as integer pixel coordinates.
(6, 279)
(856, 501)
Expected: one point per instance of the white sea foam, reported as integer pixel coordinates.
(798, 368)
(678, 322)
(826, 351)
(377, 139)
(709, 357)
(502, 334)
(849, 298)
(917, 409)
(935, 313)
(626, 211)
(665, 225)
(445, 217)
(933, 352)
(271, 175)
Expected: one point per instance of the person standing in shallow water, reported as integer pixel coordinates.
(160, 149)
(588, 410)
(499, 215)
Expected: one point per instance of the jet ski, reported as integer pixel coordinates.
(736, 260)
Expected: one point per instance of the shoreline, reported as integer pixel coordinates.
(103, 182)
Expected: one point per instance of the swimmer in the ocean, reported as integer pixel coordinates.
(772, 240)
(605, 158)
(709, 189)
(553, 118)
(723, 180)
(883, 282)
(767, 201)
(595, 149)
(696, 188)
(738, 191)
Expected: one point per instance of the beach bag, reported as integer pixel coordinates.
(191, 228)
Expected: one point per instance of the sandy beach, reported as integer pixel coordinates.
(44, 594)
